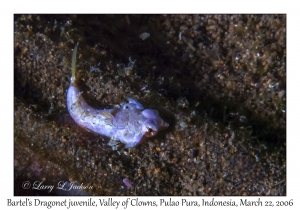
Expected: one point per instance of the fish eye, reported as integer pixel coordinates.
(150, 132)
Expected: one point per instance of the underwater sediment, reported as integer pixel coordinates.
(218, 80)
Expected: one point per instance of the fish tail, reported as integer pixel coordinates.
(73, 79)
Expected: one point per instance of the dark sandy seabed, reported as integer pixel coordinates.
(218, 80)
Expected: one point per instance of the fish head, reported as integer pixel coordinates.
(153, 122)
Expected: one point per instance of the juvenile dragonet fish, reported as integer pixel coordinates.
(131, 124)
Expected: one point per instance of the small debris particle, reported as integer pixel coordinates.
(144, 36)
(127, 182)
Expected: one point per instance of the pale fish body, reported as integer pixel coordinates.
(130, 124)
